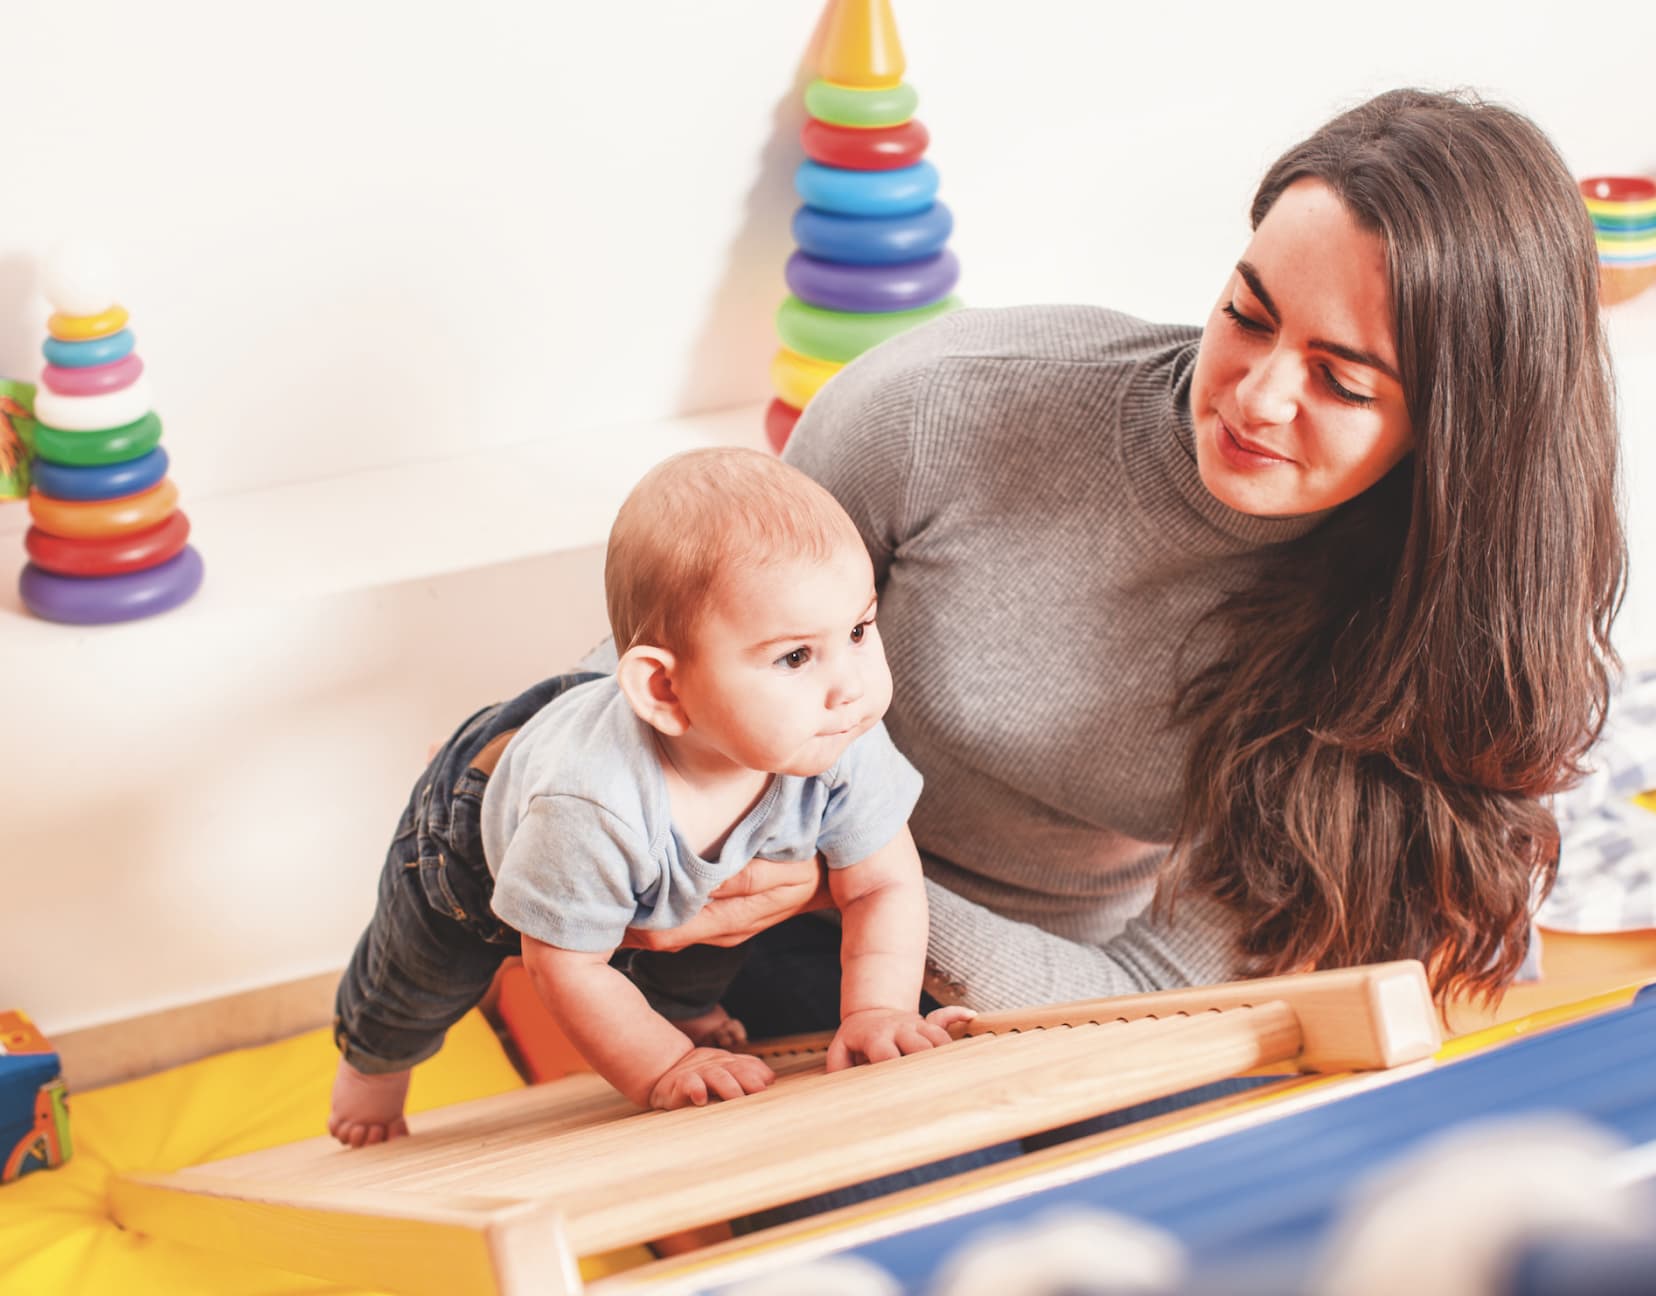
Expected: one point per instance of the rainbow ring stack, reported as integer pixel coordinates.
(871, 260)
(1623, 209)
(107, 542)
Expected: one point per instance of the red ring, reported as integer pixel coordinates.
(108, 555)
(864, 148)
(780, 418)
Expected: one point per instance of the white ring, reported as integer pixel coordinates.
(93, 413)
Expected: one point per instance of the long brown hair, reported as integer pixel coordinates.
(1404, 683)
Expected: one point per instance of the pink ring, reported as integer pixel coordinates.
(95, 380)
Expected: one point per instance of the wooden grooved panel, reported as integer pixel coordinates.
(501, 1194)
(918, 1109)
(372, 1239)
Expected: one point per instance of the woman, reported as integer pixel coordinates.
(1301, 618)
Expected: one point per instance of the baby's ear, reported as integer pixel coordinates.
(645, 674)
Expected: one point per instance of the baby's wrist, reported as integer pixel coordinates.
(885, 1010)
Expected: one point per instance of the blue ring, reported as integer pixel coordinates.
(867, 193)
(872, 240)
(100, 600)
(101, 481)
(83, 355)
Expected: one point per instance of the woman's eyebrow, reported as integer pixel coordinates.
(1368, 359)
(1255, 285)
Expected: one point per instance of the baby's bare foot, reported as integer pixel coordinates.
(714, 1029)
(367, 1108)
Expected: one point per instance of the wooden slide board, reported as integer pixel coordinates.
(503, 1194)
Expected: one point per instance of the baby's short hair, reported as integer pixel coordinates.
(694, 515)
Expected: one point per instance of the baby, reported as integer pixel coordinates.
(743, 720)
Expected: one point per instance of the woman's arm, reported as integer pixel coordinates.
(986, 962)
(763, 894)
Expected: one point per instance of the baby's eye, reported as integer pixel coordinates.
(793, 660)
(859, 632)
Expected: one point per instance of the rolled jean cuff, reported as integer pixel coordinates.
(368, 1064)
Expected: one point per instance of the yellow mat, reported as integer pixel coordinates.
(56, 1237)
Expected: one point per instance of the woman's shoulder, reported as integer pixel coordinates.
(977, 377)
(1065, 333)
(981, 352)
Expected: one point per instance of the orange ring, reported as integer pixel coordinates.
(86, 328)
(91, 519)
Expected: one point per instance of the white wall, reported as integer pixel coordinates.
(362, 235)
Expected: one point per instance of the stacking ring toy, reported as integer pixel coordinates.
(104, 446)
(840, 105)
(780, 418)
(81, 600)
(110, 555)
(93, 380)
(93, 413)
(797, 378)
(100, 481)
(89, 519)
(880, 148)
(840, 336)
(867, 193)
(83, 328)
(872, 288)
(872, 240)
(80, 355)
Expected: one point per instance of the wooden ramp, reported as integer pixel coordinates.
(504, 1194)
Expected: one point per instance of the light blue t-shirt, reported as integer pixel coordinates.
(579, 835)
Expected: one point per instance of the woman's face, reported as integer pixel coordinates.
(1296, 397)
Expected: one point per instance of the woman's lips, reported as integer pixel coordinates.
(1244, 453)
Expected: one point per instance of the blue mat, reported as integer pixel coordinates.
(1259, 1201)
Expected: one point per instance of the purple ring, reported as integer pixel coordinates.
(100, 600)
(872, 289)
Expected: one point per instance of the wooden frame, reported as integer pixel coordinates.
(501, 1195)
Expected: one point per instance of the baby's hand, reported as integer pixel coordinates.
(705, 1073)
(879, 1034)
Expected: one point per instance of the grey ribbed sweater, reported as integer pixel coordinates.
(1026, 483)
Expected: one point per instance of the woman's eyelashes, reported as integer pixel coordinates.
(1244, 322)
(1258, 328)
(1343, 392)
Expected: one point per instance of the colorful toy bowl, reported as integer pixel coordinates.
(1623, 212)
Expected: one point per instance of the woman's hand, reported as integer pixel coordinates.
(763, 894)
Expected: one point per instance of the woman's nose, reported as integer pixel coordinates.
(1269, 391)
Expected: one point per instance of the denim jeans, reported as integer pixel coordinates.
(790, 984)
(434, 944)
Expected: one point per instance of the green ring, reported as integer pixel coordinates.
(841, 336)
(105, 446)
(844, 106)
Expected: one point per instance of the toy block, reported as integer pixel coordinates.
(34, 1102)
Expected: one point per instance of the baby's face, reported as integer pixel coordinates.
(786, 669)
